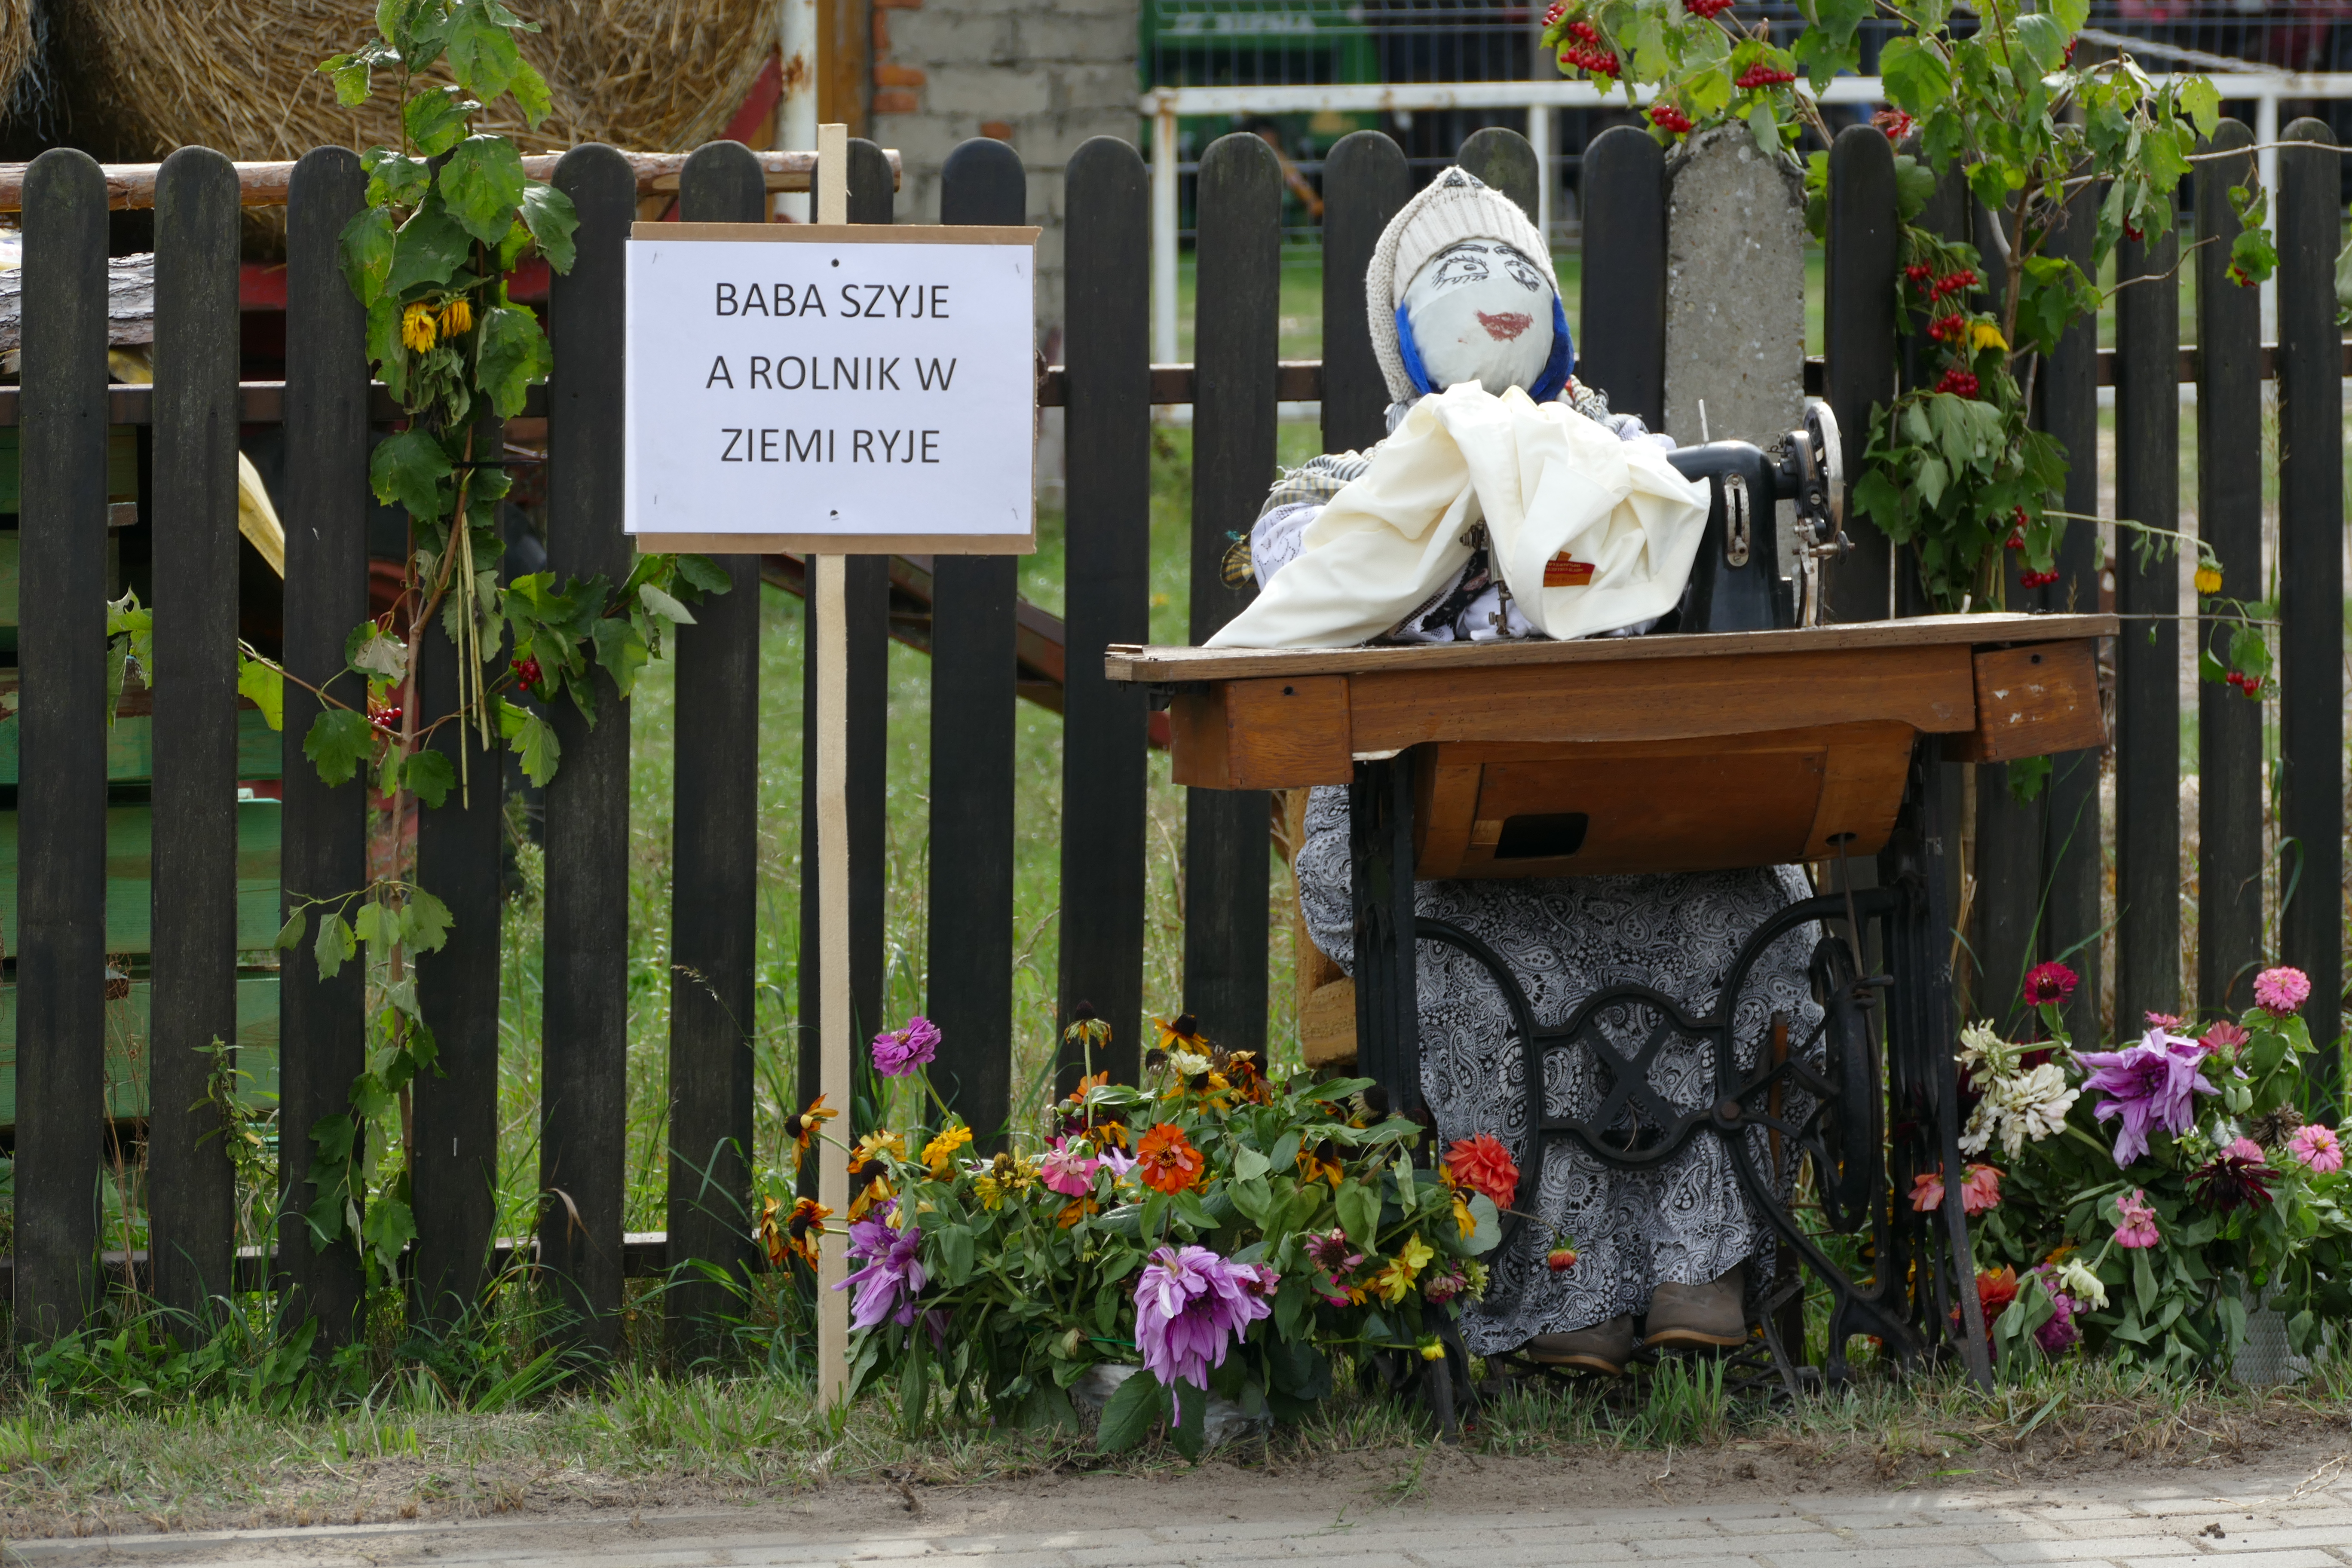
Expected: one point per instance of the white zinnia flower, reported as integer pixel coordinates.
(1987, 1056)
(2081, 1284)
(1189, 1064)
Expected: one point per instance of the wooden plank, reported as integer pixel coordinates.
(2229, 519)
(326, 506)
(130, 187)
(1106, 574)
(714, 888)
(191, 1187)
(2311, 588)
(1157, 664)
(130, 893)
(2147, 679)
(2034, 702)
(1622, 310)
(1225, 853)
(1858, 321)
(1365, 181)
(1505, 160)
(60, 932)
(128, 1039)
(968, 985)
(2071, 854)
(1264, 734)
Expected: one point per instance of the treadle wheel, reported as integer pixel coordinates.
(1848, 1151)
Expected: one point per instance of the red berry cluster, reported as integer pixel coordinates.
(1666, 117)
(1893, 122)
(1953, 326)
(2133, 232)
(2252, 685)
(2068, 57)
(2240, 276)
(527, 672)
(1581, 29)
(1552, 16)
(1918, 272)
(1761, 74)
(1959, 380)
(1952, 283)
(1706, 10)
(1599, 62)
(384, 719)
(2036, 579)
(2016, 539)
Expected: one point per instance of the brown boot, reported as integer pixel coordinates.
(1698, 1316)
(1602, 1348)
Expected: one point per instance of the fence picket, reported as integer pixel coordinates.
(191, 1188)
(584, 931)
(1623, 308)
(2311, 587)
(1106, 595)
(2148, 653)
(969, 985)
(2071, 852)
(1365, 180)
(1505, 160)
(1225, 845)
(2230, 519)
(714, 891)
(1859, 344)
(61, 793)
(321, 1037)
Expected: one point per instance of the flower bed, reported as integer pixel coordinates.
(2146, 1195)
(1223, 1230)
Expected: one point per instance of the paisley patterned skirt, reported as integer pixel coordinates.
(1686, 1220)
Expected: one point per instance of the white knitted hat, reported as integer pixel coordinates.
(1454, 207)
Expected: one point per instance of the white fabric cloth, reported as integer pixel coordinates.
(1544, 481)
(1481, 311)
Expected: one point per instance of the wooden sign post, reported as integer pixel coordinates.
(829, 390)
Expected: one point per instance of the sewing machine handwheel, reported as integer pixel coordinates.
(1827, 452)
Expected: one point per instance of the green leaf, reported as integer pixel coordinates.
(432, 246)
(2044, 39)
(429, 775)
(482, 52)
(339, 740)
(1137, 1405)
(2071, 14)
(262, 684)
(514, 355)
(394, 178)
(289, 935)
(1488, 1223)
(550, 215)
(481, 184)
(621, 649)
(662, 605)
(435, 118)
(425, 920)
(1915, 75)
(388, 1228)
(367, 248)
(531, 94)
(376, 924)
(408, 469)
(705, 574)
(336, 943)
(372, 649)
(2202, 102)
(1360, 1213)
(352, 75)
(535, 742)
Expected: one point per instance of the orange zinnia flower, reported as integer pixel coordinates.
(1167, 1160)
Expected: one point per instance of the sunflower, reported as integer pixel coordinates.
(1167, 1161)
(417, 331)
(939, 1152)
(457, 316)
(2208, 580)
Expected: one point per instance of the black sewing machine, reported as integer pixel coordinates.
(1736, 584)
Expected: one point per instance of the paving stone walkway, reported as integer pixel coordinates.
(2253, 1524)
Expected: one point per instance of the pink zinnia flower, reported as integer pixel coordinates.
(895, 1270)
(2152, 1086)
(2048, 983)
(1192, 1306)
(1981, 1190)
(2282, 990)
(2165, 1020)
(2224, 1038)
(900, 1052)
(1928, 1191)
(1068, 1171)
(2318, 1148)
(2135, 1220)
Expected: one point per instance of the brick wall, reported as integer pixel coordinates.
(1044, 75)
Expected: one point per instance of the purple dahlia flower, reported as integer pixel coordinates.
(1192, 1306)
(894, 1269)
(2152, 1085)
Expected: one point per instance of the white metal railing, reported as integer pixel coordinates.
(1164, 106)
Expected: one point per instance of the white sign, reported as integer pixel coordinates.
(848, 393)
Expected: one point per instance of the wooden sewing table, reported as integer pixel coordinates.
(1674, 754)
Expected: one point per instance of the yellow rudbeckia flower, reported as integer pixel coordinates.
(1985, 335)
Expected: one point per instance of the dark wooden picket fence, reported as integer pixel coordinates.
(2040, 865)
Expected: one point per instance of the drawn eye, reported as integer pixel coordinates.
(1463, 264)
(1521, 271)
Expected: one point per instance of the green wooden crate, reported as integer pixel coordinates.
(126, 1047)
(130, 748)
(129, 885)
(122, 476)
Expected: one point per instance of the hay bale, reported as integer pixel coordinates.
(240, 75)
(22, 83)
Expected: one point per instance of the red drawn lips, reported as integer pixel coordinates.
(1506, 326)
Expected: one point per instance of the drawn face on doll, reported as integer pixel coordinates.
(1482, 311)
